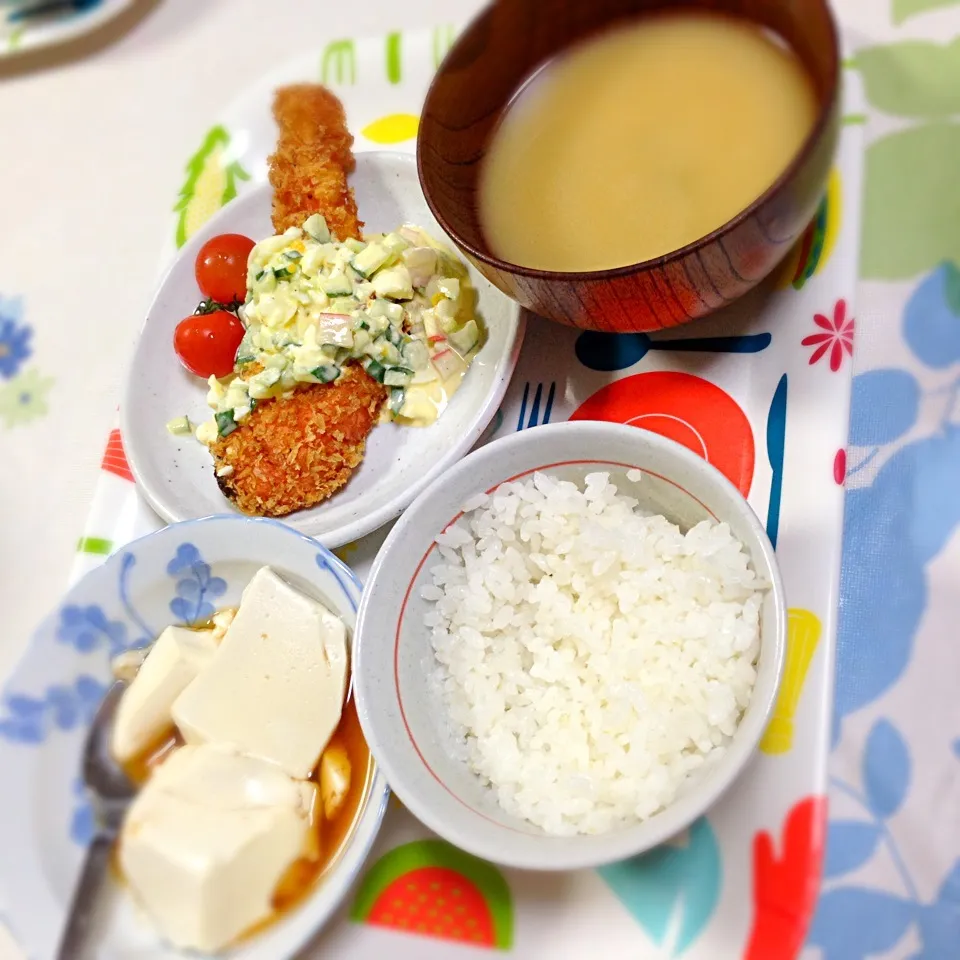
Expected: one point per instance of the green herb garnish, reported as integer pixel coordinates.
(225, 423)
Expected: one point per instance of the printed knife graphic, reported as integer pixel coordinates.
(776, 433)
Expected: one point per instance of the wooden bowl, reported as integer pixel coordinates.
(492, 59)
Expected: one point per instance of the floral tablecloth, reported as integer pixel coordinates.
(93, 141)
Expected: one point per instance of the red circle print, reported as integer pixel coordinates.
(688, 409)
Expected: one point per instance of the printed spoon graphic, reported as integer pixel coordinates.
(617, 351)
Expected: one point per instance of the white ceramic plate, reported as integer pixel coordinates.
(179, 574)
(175, 474)
(30, 33)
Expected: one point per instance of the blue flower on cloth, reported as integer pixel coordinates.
(196, 586)
(14, 338)
(86, 628)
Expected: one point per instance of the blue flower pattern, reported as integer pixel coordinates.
(87, 628)
(29, 719)
(196, 586)
(15, 338)
(894, 528)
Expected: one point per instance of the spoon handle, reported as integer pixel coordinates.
(745, 343)
(76, 943)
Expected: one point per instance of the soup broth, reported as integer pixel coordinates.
(642, 140)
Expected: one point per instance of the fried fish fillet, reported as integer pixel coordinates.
(294, 452)
(309, 170)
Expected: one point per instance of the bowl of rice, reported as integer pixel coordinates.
(569, 646)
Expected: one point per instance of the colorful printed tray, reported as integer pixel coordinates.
(763, 392)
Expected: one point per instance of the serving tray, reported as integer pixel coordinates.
(762, 390)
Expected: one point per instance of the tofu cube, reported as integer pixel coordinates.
(143, 716)
(276, 688)
(207, 841)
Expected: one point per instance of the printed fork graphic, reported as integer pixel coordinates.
(534, 419)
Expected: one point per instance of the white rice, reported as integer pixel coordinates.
(591, 657)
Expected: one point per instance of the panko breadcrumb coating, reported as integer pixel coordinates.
(309, 171)
(294, 452)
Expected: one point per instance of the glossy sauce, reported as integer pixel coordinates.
(642, 140)
(329, 837)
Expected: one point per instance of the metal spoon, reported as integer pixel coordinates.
(112, 791)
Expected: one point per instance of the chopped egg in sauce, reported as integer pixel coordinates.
(400, 304)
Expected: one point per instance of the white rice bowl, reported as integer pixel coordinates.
(594, 660)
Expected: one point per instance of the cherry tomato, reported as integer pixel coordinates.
(221, 267)
(207, 343)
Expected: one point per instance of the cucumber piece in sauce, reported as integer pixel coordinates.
(397, 376)
(225, 423)
(326, 373)
(375, 369)
(398, 397)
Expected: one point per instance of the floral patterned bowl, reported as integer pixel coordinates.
(180, 574)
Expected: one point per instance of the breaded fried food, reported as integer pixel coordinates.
(294, 452)
(309, 170)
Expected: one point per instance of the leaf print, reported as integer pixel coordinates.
(886, 769)
(884, 406)
(931, 319)
(850, 844)
(912, 78)
(903, 9)
(853, 923)
(910, 201)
